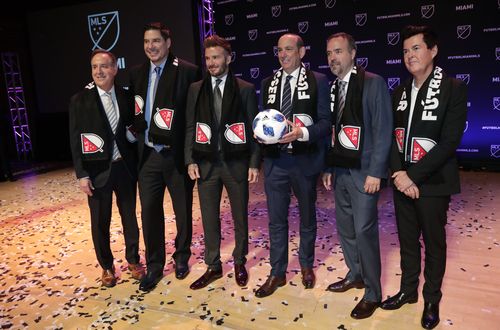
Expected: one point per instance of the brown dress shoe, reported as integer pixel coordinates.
(108, 277)
(344, 285)
(364, 309)
(207, 278)
(137, 271)
(271, 284)
(241, 275)
(308, 278)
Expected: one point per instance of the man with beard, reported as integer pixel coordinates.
(361, 141)
(160, 86)
(430, 111)
(294, 163)
(220, 152)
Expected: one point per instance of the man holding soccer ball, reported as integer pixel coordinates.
(296, 161)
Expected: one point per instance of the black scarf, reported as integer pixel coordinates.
(304, 107)
(347, 136)
(427, 119)
(162, 121)
(233, 131)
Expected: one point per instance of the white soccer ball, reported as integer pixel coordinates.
(269, 126)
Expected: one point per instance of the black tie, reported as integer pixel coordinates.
(217, 100)
(286, 103)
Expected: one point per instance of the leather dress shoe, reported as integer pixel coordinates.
(137, 271)
(430, 316)
(208, 277)
(364, 309)
(271, 284)
(399, 300)
(241, 275)
(108, 278)
(308, 278)
(344, 285)
(181, 271)
(149, 281)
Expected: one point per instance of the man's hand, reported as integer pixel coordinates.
(253, 175)
(402, 181)
(372, 184)
(193, 171)
(413, 192)
(295, 133)
(86, 186)
(326, 178)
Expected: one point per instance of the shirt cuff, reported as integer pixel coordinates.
(305, 134)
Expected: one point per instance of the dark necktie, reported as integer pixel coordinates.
(342, 94)
(218, 100)
(286, 103)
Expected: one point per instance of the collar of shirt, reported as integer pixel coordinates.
(152, 66)
(111, 91)
(293, 80)
(347, 77)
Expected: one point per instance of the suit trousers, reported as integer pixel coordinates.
(357, 226)
(284, 176)
(157, 173)
(424, 216)
(100, 204)
(210, 191)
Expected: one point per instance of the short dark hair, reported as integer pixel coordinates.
(103, 51)
(350, 40)
(430, 36)
(215, 40)
(164, 30)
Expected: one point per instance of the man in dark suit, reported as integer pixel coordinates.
(361, 141)
(220, 151)
(105, 160)
(294, 163)
(160, 86)
(430, 111)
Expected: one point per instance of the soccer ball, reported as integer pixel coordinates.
(269, 126)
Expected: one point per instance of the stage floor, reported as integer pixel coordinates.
(49, 275)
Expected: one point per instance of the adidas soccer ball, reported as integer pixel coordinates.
(269, 126)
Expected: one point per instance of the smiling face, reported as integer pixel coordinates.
(289, 54)
(155, 47)
(419, 59)
(340, 57)
(217, 61)
(103, 71)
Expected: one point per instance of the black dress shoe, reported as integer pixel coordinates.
(271, 284)
(364, 309)
(181, 271)
(149, 281)
(430, 316)
(241, 275)
(344, 285)
(399, 300)
(208, 277)
(308, 278)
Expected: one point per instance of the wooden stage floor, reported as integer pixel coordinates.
(49, 276)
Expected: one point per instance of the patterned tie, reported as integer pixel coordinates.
(151, 98)
(218, 100)
(109, 108)
(286, 103)
(342, 93)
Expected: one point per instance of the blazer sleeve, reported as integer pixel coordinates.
(450, 137)
(322, 126)
(190, 113)
(74, 136)
(249, 100)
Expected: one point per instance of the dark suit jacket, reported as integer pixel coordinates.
(436, 174)
(187, 74)
(238, 168)
(311, 163)
(98, 171)
(377, 122)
